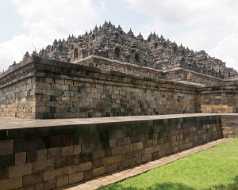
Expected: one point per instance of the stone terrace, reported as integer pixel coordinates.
(51, 154)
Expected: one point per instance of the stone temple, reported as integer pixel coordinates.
(112, 42)
(58, 107)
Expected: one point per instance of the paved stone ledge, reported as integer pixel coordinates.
(12, 123)
(110, 179)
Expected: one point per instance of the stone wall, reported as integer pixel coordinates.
(230, 126)
(17, 92)
(109, 66)
(66, 90)
(53, 157)
(219, 99)
(176, 74)
(180, 74)
(98, 87)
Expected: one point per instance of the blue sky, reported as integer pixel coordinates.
(205, 24)
(9, 20)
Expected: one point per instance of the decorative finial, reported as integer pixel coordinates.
(140, 37)
(130, 33)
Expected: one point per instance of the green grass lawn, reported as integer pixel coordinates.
(214, 169)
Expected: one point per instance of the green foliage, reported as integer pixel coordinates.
(214, 169)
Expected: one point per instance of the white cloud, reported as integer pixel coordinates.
(44, 21)
(203, 24)
(226, 50)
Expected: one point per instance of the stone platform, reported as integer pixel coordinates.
(55, 153)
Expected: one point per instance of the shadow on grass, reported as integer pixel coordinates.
(164, 186)
(232, 186)
(175, 186)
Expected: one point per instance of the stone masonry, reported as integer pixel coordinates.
(98, 87)
(55, 89)
(49, 158)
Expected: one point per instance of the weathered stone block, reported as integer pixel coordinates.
(42, 165)
(77, 149)
(42, 154)
(21, 170)
(53, 153)
(98, 171)
(6, 147)
(20, 158)
(9, 184)
(75, 178)
(50, 184)
(112, 160)
(84, 166)
(40, 186)
(137, 146)
(31, 156)
(62, 181)
(68, 150)
(32, 179)
(98, 154)
(149, 150)
(121, 149)
(6, 161)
